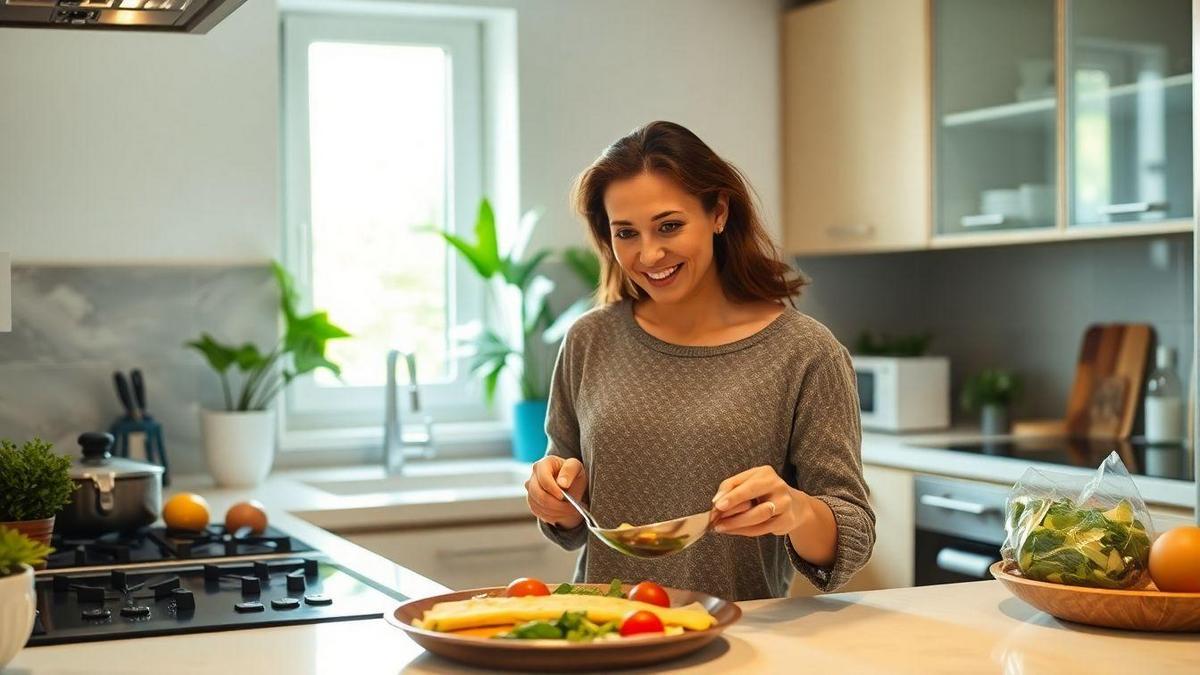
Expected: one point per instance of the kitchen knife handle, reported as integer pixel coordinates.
(139, 390)
(122, 385)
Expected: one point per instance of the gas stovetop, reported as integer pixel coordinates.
(157, 544)
(132, 601)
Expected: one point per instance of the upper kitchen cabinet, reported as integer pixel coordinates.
(1129, 113)
(995, 118)
(856, 126)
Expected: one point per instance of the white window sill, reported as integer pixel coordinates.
(359, 445)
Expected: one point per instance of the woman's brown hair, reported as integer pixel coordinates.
(748, 264)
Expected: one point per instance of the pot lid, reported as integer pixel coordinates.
(97, 460)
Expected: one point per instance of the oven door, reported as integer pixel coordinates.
(943, 559)
(959, 529)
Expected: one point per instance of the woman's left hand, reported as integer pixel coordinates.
(757, 502)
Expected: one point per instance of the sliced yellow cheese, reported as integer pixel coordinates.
(476, 612)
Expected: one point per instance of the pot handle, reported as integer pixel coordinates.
(104, 491)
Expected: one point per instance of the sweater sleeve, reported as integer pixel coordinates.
(825, 453)
(562, 430)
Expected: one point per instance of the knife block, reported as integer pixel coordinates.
(156, 449)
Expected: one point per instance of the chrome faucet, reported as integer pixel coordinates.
(393, 427)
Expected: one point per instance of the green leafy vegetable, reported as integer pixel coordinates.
(1068, 544)
(614, 590)
(571, 626)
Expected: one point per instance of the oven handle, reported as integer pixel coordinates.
(974, 508)
(965, 563)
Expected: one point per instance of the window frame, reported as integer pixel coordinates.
(307, 406)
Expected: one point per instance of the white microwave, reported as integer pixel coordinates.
(903, 393)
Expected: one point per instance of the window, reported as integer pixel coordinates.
(383, 140)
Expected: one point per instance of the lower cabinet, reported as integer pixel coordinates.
(891, 564)
(473, 556)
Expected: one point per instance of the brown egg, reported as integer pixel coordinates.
(1175, 560)
(250, 514)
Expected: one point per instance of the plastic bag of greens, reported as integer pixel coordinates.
(1073, 530)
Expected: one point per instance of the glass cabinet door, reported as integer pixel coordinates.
(1129, 111)
(995, 115)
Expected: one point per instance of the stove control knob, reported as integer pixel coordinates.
(285, 603)
(318, 600)
(97, 614)
(135, 611)
(310, 567)
(295, 581)
(248, 607)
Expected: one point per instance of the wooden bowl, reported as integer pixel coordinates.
(1147, 609)
(559, 655)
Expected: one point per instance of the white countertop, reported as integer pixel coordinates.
(906, 452)
(976, 627)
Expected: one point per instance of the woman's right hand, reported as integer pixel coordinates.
(551, 475)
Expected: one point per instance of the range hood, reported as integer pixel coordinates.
(162, 16)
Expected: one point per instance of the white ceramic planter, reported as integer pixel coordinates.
(239, 446)
(16, 613)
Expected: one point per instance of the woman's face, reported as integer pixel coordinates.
(662, 236)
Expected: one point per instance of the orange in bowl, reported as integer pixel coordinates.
(186, 511)
(1175, 560)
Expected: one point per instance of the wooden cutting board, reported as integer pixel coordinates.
(1107, 390)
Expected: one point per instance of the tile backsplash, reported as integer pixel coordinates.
(1019, 307)
(73, 326)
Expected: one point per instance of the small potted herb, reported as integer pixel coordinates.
(239, 441)
(18, 556)
(35, 484)
(991, 393)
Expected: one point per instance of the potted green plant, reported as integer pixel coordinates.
(18, 556)
(526, 319)
(991, 393)
(239, 441)
(35, 483)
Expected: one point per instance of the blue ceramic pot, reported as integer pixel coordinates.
(529, 430)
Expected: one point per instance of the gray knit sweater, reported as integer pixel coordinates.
(658, 426)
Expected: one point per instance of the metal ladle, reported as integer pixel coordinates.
(650, 541)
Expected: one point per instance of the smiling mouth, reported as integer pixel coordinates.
(663, 275)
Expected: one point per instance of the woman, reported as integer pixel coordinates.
(694, 386)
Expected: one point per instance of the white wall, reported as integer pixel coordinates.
(171, 142)
(120, 147)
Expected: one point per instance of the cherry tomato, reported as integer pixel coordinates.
(526, 586)
(641, 621)
(650, 592)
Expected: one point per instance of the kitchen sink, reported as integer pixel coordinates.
(465, 481)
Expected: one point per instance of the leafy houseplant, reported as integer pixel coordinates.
(513, 277)
(991, 392)
(35, 483)
(239, 441)
(300, 351)
(18, 556)
(17, 551)
(885, 345)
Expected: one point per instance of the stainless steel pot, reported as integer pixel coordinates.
(114, 494)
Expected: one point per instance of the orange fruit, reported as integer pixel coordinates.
(1175, 560)
(251, 514)
(186, 511)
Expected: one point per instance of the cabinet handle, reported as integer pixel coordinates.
(982, 220)
(974, 508)
(964, 562)
(1132, 207)
(850, 231)
(527, 549)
